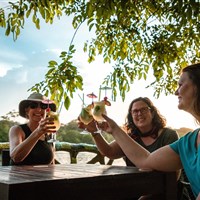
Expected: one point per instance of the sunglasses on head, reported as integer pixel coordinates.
(34, 104)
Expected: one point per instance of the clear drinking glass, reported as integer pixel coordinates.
(99, 109)
(57, 124)
(86, 116)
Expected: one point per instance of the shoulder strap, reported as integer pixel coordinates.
(26, 129)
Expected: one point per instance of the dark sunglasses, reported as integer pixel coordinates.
(41, 105)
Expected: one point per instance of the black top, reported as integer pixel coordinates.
(40, 154)
(166, 137)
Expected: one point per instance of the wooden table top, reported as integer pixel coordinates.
(75, 181)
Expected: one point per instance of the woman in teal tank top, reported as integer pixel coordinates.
(182, 154)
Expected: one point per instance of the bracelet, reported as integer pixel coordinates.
(94, 134)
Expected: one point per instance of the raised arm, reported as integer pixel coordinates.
(111, 150)
(163, 159)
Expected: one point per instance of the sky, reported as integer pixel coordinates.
(23, 63)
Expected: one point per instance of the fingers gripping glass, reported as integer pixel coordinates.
(43, 106)
(141, 111)
(57, 125)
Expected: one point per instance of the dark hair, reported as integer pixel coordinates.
(158, 120)
(194, 74)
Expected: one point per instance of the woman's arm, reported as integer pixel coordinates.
(111, 150)
(163, 159)
(19, 146)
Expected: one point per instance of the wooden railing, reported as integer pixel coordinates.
(74, 150)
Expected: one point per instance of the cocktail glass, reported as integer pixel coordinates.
(86, 116)
(99, 109)
(56, 121)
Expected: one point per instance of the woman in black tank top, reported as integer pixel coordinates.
(28, 142)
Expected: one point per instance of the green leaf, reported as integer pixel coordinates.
(67, 102)
(37, 23)
(53, 63)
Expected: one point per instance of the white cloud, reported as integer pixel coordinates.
(3, 70)
(5, 67)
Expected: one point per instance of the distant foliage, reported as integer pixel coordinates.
(4, 129)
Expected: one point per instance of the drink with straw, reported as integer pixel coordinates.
(93, 111)
(51, 112)
(56, 121)
(98, 110)
(99, 107)
(86, 114)
(86, 117)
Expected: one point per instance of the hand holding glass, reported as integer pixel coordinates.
(56, 121)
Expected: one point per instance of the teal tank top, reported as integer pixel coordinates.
(189, 154)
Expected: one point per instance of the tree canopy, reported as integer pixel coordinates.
(138, 37)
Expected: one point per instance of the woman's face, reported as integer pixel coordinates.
(35, 113)
(142, 116)
(186, 93)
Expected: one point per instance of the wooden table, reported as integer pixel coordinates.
(82, 181)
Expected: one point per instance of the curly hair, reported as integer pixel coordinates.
(158, 120)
